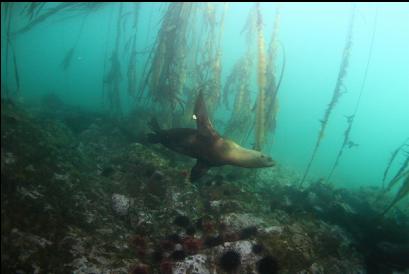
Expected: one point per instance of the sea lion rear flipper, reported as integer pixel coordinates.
(198, 170)
(204, 126)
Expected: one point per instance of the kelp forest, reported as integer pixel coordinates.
(185, 58)
(201, 137)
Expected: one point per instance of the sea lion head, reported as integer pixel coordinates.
(260, 160)
(243, 157)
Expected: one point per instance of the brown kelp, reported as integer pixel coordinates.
(31, 10)
(336, 95)
(208, 66)
(399, 174)
(391, 160)
(66, 62)
(239, 80)
(113, 78)
(37, 14)
(217, 64)
(237, 84)
(131, 72)
(182, 62)
(347, 142)
(10, 46)
(266, 104)
(273, 85)
(261, 80)
(166, 74)
(402, 192)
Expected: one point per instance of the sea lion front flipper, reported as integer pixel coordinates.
(204, 126)
(198, 170)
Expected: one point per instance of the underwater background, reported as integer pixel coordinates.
(301, 82)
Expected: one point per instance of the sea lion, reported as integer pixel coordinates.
(206, 145)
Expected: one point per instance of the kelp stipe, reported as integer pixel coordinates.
(336, 95)
(347, 142)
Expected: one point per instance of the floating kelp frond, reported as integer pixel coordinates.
(112, 81)
(65, 6)
(236, 81)
(393, 156)
(66, 62)
(166, 76)
(208, 60)
(272, 85)
(132, 73)
(16, 73)
(347, 143)
(241, 122)
(250, 27)
(32, 9)
(402, 193)
(337, 93)
(114, 76)
(399, 174)
(338, 90)
(241, 118)
(10, 45)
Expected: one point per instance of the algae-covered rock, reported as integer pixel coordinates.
(196, 264)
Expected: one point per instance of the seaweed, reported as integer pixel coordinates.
(166, 74)
(347, 143)
(402, 171)
(114, 75)
(402, 192)
(131, 72)
(266, 105)
(35, 16)
(239, 79)
(273, 85)
(65, 64)
(261, 80)
(208, 61)
(32, 9)
(8, 14)
(175, 70)
(391, 160)
(336, 95)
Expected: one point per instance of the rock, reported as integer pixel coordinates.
(195, 264)
(141, 220)
(120, 204)
(273, 230)
(215, 205)
(316, 269)
(237, 221)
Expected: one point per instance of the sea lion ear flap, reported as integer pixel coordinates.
(198, 170)
(204, 126)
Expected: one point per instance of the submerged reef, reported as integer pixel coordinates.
(97, 199)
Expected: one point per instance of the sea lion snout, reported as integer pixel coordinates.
(267, 161)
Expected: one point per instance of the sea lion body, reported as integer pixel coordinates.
(206, 145)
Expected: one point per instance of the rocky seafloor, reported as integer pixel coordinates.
(83, 194)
